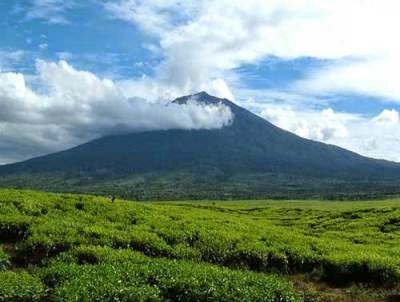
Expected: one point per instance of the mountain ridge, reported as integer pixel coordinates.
(250, 153)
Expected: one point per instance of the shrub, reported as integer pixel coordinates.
(322, 241)
(20, 287)
(105, 283)
(38, 250)
(4, 260)
(14, 228)
(129, 276)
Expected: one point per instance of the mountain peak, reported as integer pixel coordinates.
(201, 97)
(202, 94)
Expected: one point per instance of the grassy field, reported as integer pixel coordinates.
(64, 247)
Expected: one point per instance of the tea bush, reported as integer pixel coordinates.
(4, 260)
(20, 287)
(124, 275)
(341, 244)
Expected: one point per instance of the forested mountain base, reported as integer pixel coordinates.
(65, 247)
(206, 185)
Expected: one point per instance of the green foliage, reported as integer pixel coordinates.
(205, 185)
(20, 287)
(124, 275)
(338, 243)
(4, 260)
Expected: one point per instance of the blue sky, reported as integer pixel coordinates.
(326, 71)
(86, 35)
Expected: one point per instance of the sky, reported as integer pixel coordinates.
(72, 71)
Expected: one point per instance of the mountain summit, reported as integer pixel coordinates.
(250, 158)
(202, 98)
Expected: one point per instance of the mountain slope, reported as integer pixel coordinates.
(251, 156)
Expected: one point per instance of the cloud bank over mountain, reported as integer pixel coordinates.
(203, 42)
(71, 106)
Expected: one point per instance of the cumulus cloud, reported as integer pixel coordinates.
(374, 139)
(203, 40)
(74, 106)
(200, 41)
(322, 125)
(388, 117)
(370, 136)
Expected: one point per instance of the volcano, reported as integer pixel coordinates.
(250, 158)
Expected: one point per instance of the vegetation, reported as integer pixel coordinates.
(105, 274)
(20, 287)
(4, 260)
(65, 247)
(202, 184)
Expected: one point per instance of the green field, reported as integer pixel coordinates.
(64, 247)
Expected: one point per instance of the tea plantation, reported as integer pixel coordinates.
(65, 247)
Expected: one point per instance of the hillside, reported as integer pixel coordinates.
(63, 247)
(250, 158)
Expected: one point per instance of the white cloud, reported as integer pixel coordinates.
(203, 40)
(43, 46)
(377, 77)
(155, 16)
(374, 137)
(388, 117)
(51, 11)
(322, 125)
(75, 106)
(9, 58)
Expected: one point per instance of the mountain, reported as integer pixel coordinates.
(251, 158)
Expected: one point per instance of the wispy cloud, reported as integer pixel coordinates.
(9, 58)
(50, 11)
